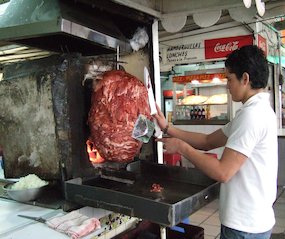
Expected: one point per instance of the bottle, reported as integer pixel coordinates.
(169, 117)
(187, 116)
(184, 109)
(203, 113)
(195, 113)
(192, 113)
(208, 113)
(177, 113)
(199, 113)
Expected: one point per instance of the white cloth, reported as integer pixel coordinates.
(74, 224)
(246, 200)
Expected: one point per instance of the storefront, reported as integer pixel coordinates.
(201, 55)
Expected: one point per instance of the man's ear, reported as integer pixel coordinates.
(245, 78)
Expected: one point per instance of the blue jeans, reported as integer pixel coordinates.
(228, 233)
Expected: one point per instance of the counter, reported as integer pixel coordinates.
(14, 227)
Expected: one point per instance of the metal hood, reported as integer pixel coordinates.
(62, 26)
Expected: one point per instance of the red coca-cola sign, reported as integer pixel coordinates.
(222, 47)
(261, 42)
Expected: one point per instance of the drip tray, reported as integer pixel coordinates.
(185, 190)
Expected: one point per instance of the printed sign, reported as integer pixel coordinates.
(203, 78)
(222, 47)
(261, 42)
(283, 36)
(184, 53)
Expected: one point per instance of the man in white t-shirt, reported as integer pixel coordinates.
(248, 166)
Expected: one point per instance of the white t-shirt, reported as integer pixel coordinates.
(246, 200)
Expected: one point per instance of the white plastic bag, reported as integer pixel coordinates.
(140, 39)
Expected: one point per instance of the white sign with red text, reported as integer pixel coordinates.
(261, 42)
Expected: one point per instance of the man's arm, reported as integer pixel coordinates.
(199, 140)
(221, 170)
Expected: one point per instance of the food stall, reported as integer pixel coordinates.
(208, 105)
(192, 59)
(46, 104)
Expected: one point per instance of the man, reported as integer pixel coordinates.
(247, 168)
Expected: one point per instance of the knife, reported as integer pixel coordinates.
(151, 101)
(38, 219)
(148, 85)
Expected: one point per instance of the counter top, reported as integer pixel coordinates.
(14, 227)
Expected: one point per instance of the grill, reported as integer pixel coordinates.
(185, 190)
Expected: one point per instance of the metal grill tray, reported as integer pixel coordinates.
(185, 190)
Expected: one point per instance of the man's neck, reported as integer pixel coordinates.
(251, 93)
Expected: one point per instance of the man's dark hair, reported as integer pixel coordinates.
(249, 59)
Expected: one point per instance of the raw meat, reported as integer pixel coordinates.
(156, 188)
(117, 100)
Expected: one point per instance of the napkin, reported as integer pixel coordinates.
(74, 224)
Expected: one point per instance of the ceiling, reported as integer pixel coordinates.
(175, 11)
(179, 16)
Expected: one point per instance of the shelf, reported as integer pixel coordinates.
(201, 122)
(201, 104)
(214, 105)
(193, 86)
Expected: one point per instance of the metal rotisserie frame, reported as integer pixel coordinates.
(185, 190)
(44, 105)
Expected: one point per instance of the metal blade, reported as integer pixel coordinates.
(38, 219)
(148, 85)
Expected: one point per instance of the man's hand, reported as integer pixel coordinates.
(161, 121)
(172, 145)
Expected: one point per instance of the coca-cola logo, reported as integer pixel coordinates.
(227, 47)
(222, 47)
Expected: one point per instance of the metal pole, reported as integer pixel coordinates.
(157, 83)
(118, 57)
(162, 232)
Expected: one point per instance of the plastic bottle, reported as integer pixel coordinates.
(208, 113)
(199, 113)
(192, 113)
(195, 113)
(187, 116)
(203, 113)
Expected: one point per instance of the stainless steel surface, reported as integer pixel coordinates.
(38, 219)
(47, 23)
(162, 232)
(97, 37)
(23, 195)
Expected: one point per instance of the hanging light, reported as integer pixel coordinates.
(260, 6)
(247, 3)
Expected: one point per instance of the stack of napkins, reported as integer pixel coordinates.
(74, 224)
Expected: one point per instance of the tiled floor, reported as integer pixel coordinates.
(208, 218)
